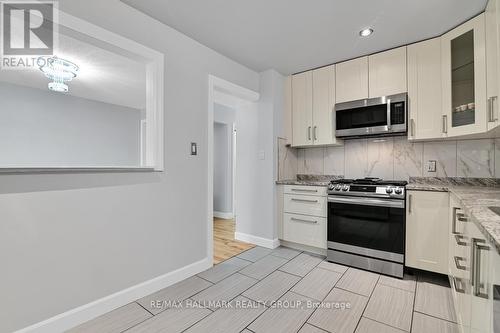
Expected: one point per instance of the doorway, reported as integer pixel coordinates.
(225, 101)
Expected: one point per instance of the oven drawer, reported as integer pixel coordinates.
(305, 190)
(307, 230)
(305, 205)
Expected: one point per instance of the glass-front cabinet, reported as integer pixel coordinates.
(464, 79)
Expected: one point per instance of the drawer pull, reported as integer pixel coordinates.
(304, 200)
(304, 190)
(457, 263)
(301, 220)
(460, 240)
(461, 217)
(456, 283)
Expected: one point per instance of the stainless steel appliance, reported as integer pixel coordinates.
(374, 117)
(366, 224)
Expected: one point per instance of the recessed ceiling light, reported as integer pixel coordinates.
(366, 32)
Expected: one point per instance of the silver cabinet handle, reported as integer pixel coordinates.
(460, 240)
(454, 221)
(461, 217)
(389, 114)
(302, 220)
(491, 109)
(315, 130)
(445, 124)
(410, 197)
(460, 289)
(477, 247)
(304, 200)
(412, 127)
(457, 263)
(303, 190)
(309, 133)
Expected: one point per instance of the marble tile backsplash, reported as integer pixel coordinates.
(396, 158)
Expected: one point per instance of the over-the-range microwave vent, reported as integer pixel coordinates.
(373, 117)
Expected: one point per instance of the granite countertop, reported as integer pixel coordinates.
(475, 195)
(309, 180)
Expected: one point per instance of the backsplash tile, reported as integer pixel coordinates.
(356, 158)
(445, 155)
(287, 161)
(408, 157)
(396, 158)
(334, 161)
(380, 158)
(476, 158)
(311, 161)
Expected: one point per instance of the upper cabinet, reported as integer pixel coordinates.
(302, 109)
(351, 81)
(313, 100)
(387, 73)
(424, 90)
(323, 106)
(492, 19)
(464, 79)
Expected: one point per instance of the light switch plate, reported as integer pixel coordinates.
(194, 148)
(431, 166)
(262, 155)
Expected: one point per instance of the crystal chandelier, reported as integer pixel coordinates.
(59, 71)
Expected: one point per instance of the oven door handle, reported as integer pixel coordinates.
(391, 203)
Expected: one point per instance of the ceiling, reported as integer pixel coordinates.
(295, 35)
(105, 75)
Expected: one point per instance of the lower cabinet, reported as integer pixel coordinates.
(305, 215)
(427, 231)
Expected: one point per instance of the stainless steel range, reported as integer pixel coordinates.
(366, 224)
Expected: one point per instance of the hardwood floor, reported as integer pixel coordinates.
(225, 246)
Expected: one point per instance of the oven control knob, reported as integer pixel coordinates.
(398, 190)
(345, 188)
(338, 188)
(388, 190)
(331, 187)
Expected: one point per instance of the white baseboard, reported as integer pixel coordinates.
(264, 242)
(77, 316)
(223, 215)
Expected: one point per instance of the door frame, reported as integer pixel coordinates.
(232, 95)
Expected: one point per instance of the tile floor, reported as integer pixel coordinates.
(265, 290)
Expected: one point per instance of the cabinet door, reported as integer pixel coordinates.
(323, 104)
(427, 231)
(387, 73)
(495, 291)
(351, 80)
(302, 109)
(287, 116)
(424, 90)
(492, 69)
(464, 78)
(481, 298)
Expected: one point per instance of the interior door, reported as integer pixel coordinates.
(323, 105)
(302, 90)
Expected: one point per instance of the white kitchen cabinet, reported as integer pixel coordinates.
(323, 106)
(495, 290)
(464, 78)
(351, 80)
(302, 109)
(481, 298)
(492, 22)
(387, 72)
(427, 231)
(424, 90)
(305, 215)
(313, 99)
(287, 110)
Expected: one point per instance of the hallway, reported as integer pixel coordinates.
(225, 246)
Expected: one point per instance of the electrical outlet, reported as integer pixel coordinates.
(431, 166)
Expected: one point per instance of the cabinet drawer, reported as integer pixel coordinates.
(305, 190)
(307, 230)
(305, 205)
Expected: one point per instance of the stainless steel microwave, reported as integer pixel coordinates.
(385, 115)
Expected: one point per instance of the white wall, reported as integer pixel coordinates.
(223, 158)
(223, 198)
(69, 239)
(40, 128)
